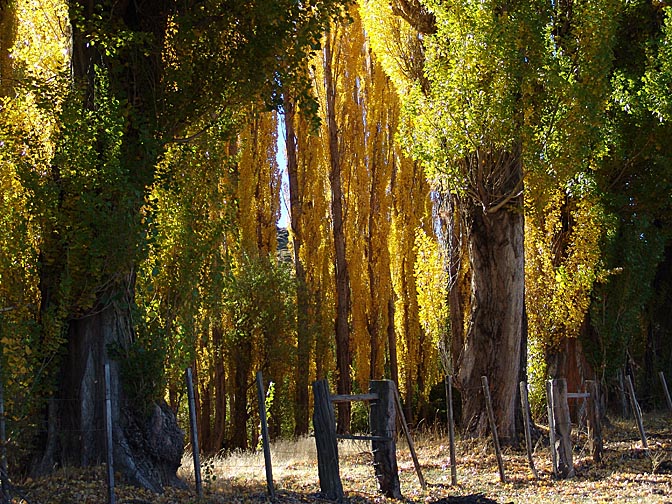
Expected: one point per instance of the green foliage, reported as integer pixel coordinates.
(636, 180)
(268, 403)
(259, 302)
(142, 375)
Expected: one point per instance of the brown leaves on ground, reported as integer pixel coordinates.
(627, 474)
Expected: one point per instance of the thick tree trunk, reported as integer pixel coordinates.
(148, 444)
(303, 337)
(492, 342)
(343, 351)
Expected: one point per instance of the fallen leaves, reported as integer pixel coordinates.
(627, 474)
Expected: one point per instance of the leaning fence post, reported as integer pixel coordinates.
(194, 433)
(666, 391)
(524, 403)
(261, 395)
(108, 437)
(409, 439)
(493, 427)
(637, 411)
(325, 441)
(451, 429)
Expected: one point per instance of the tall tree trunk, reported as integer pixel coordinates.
(241, 362)
(147, 444)
(220, 389)
(374, 319)
(492, 341)
(205, 418)
(343, 351)
(8, 26)
(303, 336)
(392, 342)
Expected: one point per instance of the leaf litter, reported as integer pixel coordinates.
(627, 473)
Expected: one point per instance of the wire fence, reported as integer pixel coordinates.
(229, 471)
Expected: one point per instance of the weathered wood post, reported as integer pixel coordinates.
(382, 421)
(325, 440)
(194, 432)
(563, 428)
(666, 390)
(451, 429)
(493, 427)
(622, 394)
(594, 422)
(261, 397)
(524, 403)
(109, 446)
(4, 484)
(551, 427)
(637, 411)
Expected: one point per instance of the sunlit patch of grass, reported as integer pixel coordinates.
(627, 474)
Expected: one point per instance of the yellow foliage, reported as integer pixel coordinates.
(562, 249)
(258, 188)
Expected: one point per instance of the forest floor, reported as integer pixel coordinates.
(627, 474)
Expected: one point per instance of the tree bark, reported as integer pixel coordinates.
(392, 342)
(241, 363)
(8, 27)
(219, 434)
(148, 444)
(303, 337)
(492, 341)
(343, 350)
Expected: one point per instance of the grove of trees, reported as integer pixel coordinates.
(474, 188)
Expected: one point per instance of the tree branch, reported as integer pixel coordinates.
(416, 14)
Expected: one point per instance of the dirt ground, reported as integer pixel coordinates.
(627, 474)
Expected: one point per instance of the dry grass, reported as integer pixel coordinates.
(628, 474)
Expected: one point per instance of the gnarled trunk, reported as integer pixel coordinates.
(148, 444)
(86, 278)
(493, 336)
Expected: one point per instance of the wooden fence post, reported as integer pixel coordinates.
(594, 421)
(325, 440)
(4, 484)
(261, 396)
(451, 429)
(407, 432)
(383, 424)
(637, 411)
(563, 427)
(551, 427)
(622, 394)
(493, 427)
(194, 433)
(524, 403)
(108, 438)
(666, 391)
